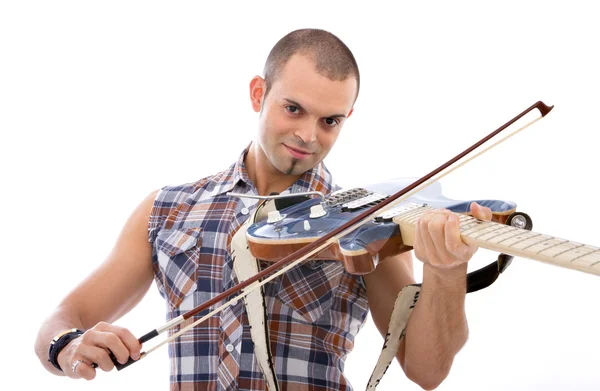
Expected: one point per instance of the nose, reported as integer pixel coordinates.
(307, 132)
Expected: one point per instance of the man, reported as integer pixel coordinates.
(181, 237)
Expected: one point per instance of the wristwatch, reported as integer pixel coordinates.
(59, 342)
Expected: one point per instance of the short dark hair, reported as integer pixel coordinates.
(333, 59)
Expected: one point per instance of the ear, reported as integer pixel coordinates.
(350, 113)
(257, 92)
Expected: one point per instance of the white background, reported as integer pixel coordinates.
(100, 103)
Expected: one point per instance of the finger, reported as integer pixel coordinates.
(103, 326)
(97, 355)
(424, 245)
(130, 341)
(425, 218)
(110, 341)
(481, 212)
(429, 250)
(454, 243)
(426, 215)
(83, 370)
(418, 245)
(437, 229)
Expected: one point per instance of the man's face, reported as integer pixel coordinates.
(302, 115)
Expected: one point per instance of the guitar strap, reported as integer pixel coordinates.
(246, 266)
(405, 302)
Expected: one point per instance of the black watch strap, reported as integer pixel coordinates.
(59, 342)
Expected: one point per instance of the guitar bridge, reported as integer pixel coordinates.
(354, 199)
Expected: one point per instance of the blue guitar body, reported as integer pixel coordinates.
(361, 249)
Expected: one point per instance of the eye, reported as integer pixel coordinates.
(292, 109)
(331, 122)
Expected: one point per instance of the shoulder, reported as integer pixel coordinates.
(171, 203)
(173, 195)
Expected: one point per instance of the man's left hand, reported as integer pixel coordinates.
(437, 240)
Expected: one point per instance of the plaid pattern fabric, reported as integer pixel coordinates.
(315, 310)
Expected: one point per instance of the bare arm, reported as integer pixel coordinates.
(105, 295)
(437, 328)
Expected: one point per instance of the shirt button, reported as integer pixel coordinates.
(229, 348)
(245, 211)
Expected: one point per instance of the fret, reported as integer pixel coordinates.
(413, 219)
(545, 244)
(413, 215)
(466, 226)
(575, 253)
(534, 245)
(558, 246)
(585, 262)
(479, 225)
(503, 229)
(523, 241)
(506, 235)
(413, 212)
(488, 228)
(524, 235)
(588, 259)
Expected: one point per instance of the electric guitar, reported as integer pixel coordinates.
(392, 231)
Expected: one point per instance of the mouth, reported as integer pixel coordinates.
(297, 153)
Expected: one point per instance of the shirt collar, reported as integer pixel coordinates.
(317, 178)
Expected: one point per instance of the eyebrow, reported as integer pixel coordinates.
(302, 108)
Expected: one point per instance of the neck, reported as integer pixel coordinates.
(513, 241)
(266, 178)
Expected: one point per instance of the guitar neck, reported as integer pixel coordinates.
(513, 241)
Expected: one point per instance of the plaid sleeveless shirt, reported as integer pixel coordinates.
(315, 310)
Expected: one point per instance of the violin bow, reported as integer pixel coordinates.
(326, 240)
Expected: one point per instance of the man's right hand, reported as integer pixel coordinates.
(106, 295)
(94, 347)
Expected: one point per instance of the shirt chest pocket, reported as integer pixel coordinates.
(309, 288)
(177, 253)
